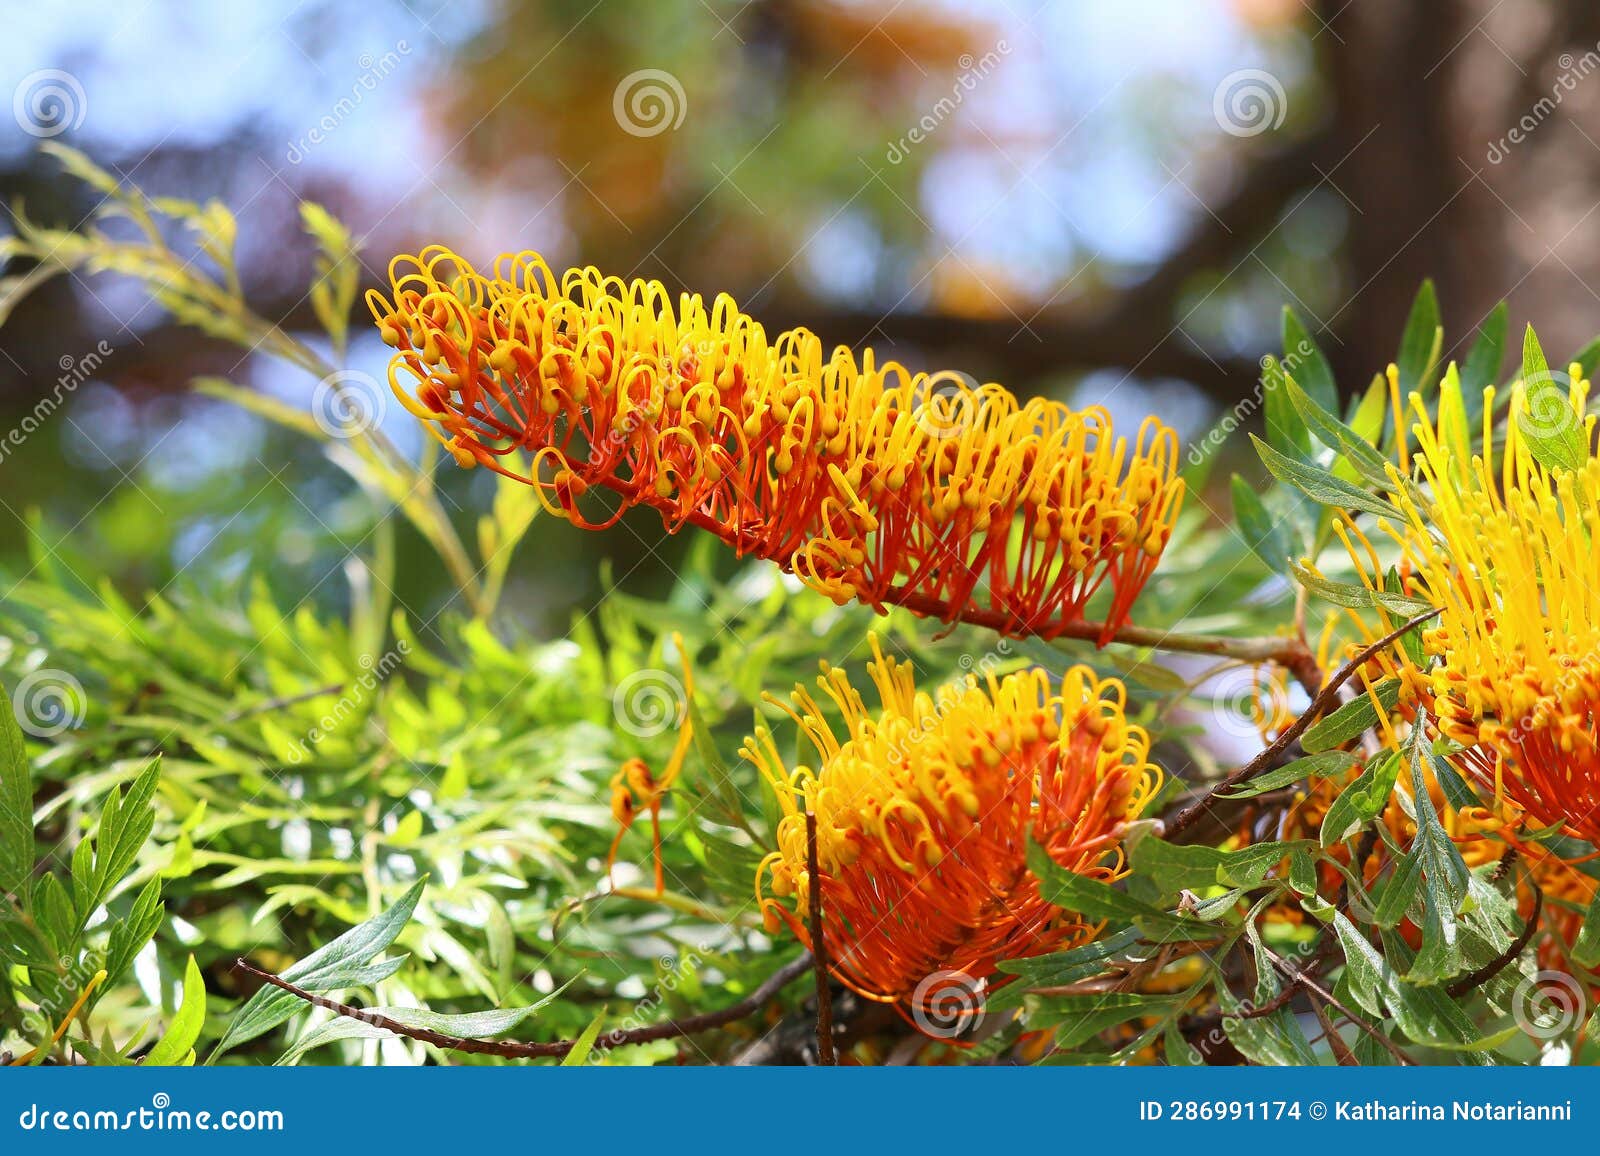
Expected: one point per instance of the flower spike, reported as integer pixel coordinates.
(925, 809)
(867, 481)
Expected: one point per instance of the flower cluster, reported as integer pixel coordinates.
(1510, 672)
(924, 811)
(869, 482)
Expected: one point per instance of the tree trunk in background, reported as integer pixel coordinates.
(1416, 210)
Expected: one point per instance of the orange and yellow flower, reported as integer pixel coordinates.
(869, 482)
(1511, 551)
(924, 810)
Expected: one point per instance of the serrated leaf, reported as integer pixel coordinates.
(1586, 948)
(1096, 900)
(343, 962)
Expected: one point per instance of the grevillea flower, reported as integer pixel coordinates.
(924, 810)
(867, 481)
(1510, 672)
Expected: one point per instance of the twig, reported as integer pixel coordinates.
(1498, 964)
(1298, 978)
(1324, 698)
(819, 949)
(1288, 652)
(279, 703)
(512, 1049)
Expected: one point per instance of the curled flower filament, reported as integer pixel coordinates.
(924, 811)
(867, 481)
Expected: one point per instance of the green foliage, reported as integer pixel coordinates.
(410, 814)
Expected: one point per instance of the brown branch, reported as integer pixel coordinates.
(1498, 964)
(819, 948)
(1291, 653)
(513, 1049)
(1325, 698)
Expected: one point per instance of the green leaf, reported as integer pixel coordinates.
(1059, 968)
(1340, 438)
(1271, 539)
(1318, 766)
(176, 1046)
(1304, 361)
(1421, 342)
(1285, 429)
(1096, 900)
(1352, 719)
(1586, 949)
(342, 963)
(1482, 367)
(1274, 1038)
(1441, 860)
(125, 824)
(1588, 357)
(1179, 866)
(1363, 800)
(1321, 486)
(16, 804)
(1547, 420)
(1359, 597)
(1079, 1018)
(584, 1044)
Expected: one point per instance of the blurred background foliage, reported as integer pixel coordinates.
(1079, 224)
